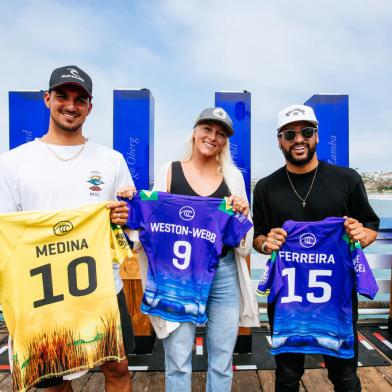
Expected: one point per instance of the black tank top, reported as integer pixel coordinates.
(180, 186)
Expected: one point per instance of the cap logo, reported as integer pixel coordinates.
(73, 74)
(219, 113)
(294, 112)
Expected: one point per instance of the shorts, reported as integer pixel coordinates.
(127, 332)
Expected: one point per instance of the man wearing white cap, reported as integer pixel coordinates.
(306, 189)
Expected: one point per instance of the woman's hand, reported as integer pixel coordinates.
(126, 191)
(239, 204)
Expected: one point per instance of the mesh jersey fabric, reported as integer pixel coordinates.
(58, 297)
(183, 237)
(311, 280)
(32, 178)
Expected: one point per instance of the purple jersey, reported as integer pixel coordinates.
(311, 280)
(183, 237)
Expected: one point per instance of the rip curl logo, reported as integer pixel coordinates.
(187, 213)
(307, 240)
(219, 113)
(73, 74)
(95, 180)
(62, 228)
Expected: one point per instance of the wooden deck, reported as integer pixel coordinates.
(373, 379)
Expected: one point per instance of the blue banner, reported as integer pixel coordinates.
(238, 107)
(133, 133)
(28, 116)
(332, 114)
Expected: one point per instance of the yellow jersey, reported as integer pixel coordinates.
(57, 290)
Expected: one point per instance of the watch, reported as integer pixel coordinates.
(263, 246)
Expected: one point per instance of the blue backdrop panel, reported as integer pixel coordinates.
(133, 133)
(28, 116)
(238, 106)
(332, 114)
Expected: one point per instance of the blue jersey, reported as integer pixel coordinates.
(311, 280)
(183, 237)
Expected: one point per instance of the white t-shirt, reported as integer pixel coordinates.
(33, 178)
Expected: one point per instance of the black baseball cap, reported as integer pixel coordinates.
(219, 115)
(71, 74)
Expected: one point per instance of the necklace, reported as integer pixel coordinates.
(60, 157)
(310, 188)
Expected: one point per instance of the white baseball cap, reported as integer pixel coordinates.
(296, 113)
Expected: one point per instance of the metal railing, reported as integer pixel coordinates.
(381, 306)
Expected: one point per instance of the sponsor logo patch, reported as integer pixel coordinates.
(219, 113)
(307, 240)
(187, 213)
(95, 180)
(62, 228)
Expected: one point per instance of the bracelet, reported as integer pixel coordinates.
(263, 246)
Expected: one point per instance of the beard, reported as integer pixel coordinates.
(301, 161)
(65, 127)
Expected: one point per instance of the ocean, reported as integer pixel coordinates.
(382, 205)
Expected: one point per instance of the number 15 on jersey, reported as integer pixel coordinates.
(324, 288)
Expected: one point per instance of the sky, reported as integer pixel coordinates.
(283, 52)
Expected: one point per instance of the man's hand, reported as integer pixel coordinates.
(273, 241)
(118, 212)
(119, 209)
(356, 231)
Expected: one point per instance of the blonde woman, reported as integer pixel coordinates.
(208, 170)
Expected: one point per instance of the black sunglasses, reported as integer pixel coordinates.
(290, 134)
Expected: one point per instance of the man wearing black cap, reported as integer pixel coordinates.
(306, 189)
(64, 169)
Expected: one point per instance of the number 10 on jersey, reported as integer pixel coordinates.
(72, 274)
